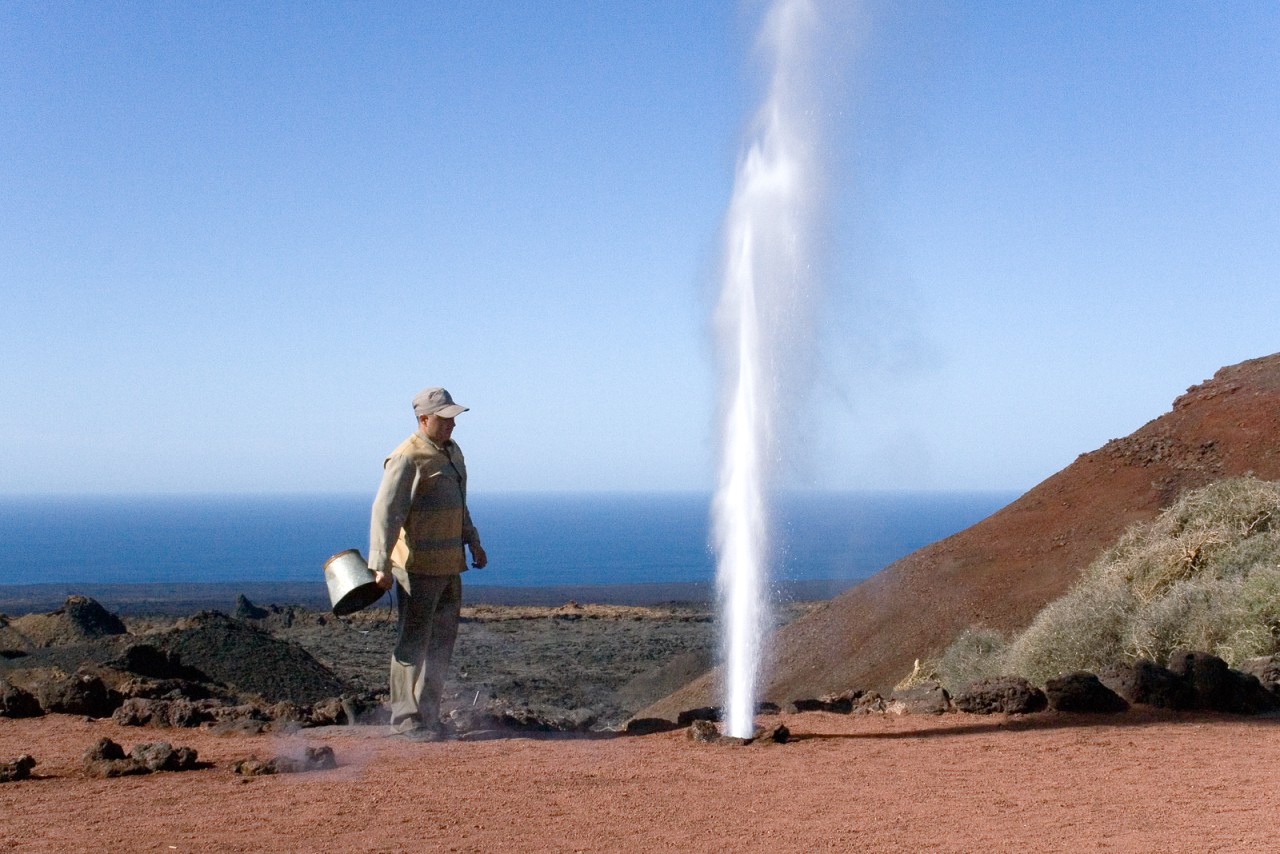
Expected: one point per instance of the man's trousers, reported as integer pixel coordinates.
(429, 608)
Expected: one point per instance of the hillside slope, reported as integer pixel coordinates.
(1003, 570)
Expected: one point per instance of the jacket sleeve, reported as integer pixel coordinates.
(390, 509)
(470, 536)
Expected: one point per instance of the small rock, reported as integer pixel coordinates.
(313, 759)
(648, 726)
(1010, 695)
(778, 734)
(702, 713)
(926, 698)
(1148, 683)
(107, 759)
(331, 712)
(1219, 688)
(17, 703)
(162, 756)
(79, 694)
(139, 711)
(1082, 692)
(18, 769)
(841, 704)
(240, 726)
(704, 731)
(1266, 669)
(467, 720)
(868, 703)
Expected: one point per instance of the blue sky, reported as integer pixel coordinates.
(235, 239)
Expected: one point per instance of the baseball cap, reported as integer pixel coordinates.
(436, 401)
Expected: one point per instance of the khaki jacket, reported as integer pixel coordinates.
(420, 520)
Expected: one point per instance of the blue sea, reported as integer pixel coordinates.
(533, 540)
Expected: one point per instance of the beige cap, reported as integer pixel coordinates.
(436, 401)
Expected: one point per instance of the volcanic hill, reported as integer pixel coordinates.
(1003, 570)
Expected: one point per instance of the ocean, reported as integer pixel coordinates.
(533, 540)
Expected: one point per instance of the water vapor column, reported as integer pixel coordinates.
(762, 321)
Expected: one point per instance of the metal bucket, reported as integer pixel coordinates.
(351, 585)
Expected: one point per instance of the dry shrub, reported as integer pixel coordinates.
(1084, 630)
(921, 672)
(1205, 574)
(977, 653)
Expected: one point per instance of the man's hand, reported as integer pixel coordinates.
(384, 580)
(478, 557)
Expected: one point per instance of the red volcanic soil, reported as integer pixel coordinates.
(1002, 571)
(1133, 783)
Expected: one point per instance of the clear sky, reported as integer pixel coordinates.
(236, 238)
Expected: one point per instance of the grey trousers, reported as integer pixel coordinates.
(429, 607)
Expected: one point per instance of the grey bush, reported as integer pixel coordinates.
(1205, 574)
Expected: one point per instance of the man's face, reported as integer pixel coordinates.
(437, 429)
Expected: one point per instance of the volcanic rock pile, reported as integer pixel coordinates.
(208, 669)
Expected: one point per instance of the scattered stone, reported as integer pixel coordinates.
(841, 704)
(290, 713)
(162, 756)
(1082, 692)
(649, 726)
(707, 732)
(703, 713)
(171, 689)
(138, 711)
(1266, 669)
(366, 708)
(333, 711)
(924, 698)
(868, 703)
(483, 735)
(77, 694)
(524, 719)
(1147, 683)
(1010, 695)
(765, 707)
(18, 769)
(240, 726)
(312, 759)
(704, 731)
(1218, 688)
(107, 759)
(466, 720)
(16, 702)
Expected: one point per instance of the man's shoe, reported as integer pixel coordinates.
(425, 733)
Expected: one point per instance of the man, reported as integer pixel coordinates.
(418, 529)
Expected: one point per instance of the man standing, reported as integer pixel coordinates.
(418, 529)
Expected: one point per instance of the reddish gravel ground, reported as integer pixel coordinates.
(1138, 782)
